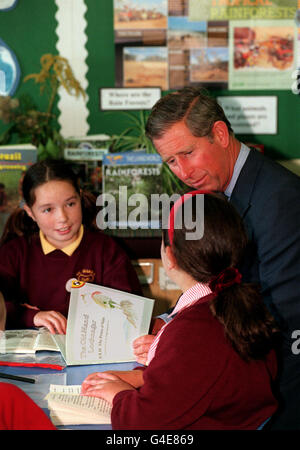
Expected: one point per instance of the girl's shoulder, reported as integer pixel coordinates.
(20, 243)
(97, 237)
(196, 318)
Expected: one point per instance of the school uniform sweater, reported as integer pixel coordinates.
(27, 275)
(197, 381)
(19, 412)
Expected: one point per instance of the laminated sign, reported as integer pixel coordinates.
(131, 191)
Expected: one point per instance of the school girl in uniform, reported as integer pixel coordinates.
(212, 364)
(50, 241)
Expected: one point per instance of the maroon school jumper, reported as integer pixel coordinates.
(197, 381)
(19, 412)
(27, 275)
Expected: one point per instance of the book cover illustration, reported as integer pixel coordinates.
(102, 324)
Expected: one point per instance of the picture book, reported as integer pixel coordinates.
(102, 324)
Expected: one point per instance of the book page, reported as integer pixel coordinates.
(67, 406)
(18, 341)
(76, 402)
(45, 341)
(103, 323)
(74, 389)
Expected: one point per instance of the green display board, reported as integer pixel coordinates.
(29, 30)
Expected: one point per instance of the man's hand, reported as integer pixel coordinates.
(54, 321)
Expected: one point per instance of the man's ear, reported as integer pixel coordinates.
(221, 133)
(29, 212)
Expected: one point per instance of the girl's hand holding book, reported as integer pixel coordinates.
(54, 321)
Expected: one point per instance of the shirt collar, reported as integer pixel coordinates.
(241, 159)
(190, 296)
(68, 250)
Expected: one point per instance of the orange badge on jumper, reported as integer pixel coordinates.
(77, 284)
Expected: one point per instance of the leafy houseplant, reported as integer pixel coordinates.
(134, 138)
(29, 125)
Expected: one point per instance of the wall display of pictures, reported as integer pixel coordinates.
(298, 25)
(234, 44)
(242, 9)
(263, 54)
(145, 66)
(140, 41)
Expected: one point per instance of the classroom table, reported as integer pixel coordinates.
(70, 375)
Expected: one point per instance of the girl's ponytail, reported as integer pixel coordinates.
(248, 325)
(89, 209)
(18, 224)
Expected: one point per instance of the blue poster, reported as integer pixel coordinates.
(9, 70)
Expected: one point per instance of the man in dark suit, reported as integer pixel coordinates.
(192, 134)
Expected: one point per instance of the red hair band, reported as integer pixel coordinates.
(175, 207)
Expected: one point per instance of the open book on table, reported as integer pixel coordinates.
(102, 324)
(27, 341)
(68, 407)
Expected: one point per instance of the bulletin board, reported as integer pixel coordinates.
(282, 145)
(29, 29)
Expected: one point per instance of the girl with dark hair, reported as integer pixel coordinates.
(212, 365)
(50, 241)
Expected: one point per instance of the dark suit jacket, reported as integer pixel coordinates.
(267, 196)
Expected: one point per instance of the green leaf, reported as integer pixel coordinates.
(52, 149)
(42, 152)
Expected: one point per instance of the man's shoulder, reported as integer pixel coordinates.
(262, 178)
(266, 168)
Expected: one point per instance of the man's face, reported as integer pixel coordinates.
(199, 162)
